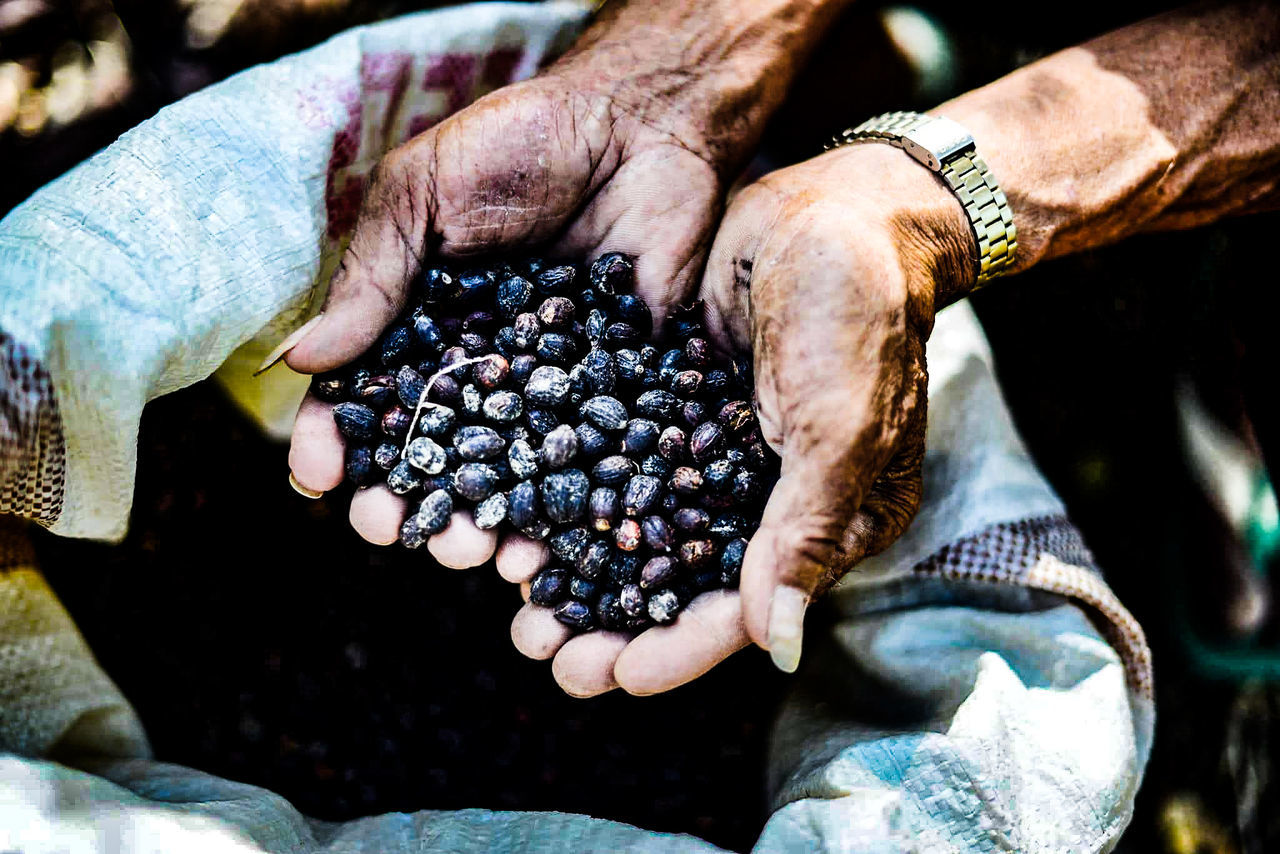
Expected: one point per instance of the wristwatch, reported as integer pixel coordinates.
(948, 149)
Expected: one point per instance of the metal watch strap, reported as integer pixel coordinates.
(946, 148)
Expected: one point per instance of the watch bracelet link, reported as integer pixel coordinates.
(967, 174)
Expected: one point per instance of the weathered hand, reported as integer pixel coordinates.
(828, 273)
(545, 161)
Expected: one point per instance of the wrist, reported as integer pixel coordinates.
(665, 64)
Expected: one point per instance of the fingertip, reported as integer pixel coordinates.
(536, 633)
(376, 514)
(584, 665)
(462, 545)
(316, 447)
(666, 657)
(520, 558)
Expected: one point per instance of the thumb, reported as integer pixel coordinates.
(370, 285)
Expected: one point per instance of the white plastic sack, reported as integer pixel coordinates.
(976, 687)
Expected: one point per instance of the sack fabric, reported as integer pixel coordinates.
(977, 687)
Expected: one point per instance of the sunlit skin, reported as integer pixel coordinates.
(829, 272)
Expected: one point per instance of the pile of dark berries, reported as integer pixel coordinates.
(531, 394)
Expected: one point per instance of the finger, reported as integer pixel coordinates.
(462, 545)
(520, 558)
(316, 447)
(666, 232)
(537, 634)
(584, 666)
(665, 657)
(385, 253)
(377, 513)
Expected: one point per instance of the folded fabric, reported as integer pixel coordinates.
(976, 687)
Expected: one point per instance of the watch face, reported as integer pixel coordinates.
(936, 140)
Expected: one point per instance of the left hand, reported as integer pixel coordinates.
(829, 273)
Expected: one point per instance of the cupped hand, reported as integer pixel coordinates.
(550, 162)
(829, 273)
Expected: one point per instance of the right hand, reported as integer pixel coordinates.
(552, 161)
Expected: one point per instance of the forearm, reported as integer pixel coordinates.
(1170, 123)
(711, 72)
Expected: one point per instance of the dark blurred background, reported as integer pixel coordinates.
(261, 640)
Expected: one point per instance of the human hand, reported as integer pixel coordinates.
(829, 272)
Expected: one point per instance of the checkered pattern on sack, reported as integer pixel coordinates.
(1047, 553)
(33, 454)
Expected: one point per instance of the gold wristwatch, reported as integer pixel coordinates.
(948, 149)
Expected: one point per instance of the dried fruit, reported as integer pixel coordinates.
(355, 421)
(663, 607)
(549, 587)
(523, 459)
(434, 512)
(522, 504)
(658, 571)
(548, 386)
(575, 614)
(564, 495)
(614, 470)
(475, 481)
(503, 406)
(490, 512)
(628, 535)
(560, 447)
(477, 443)
(605, 412)
(359, 465)
(492, 372)
(604, 508)
(611, 273)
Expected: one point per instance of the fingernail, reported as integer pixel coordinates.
(282, 349)
(786, 627)
(302, 490)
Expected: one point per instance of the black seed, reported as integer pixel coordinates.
(425, 455)
(437, 285)
(671, 363)
(570, 543)
(575, 614)
(359, 465)
(634, 311)
(697, 353)
(649, 355)
(631, 600)
(556, 313)
(614, 470)
(476, 285)
(696, 554)
(522, 367)
(658, 571)
(475, 345)
(630, 367)
(445, 389)
(583, 589)
(453, 359)
(395, 422)
(729, 526)
(379, 392)
(686, 481)
(718, 476)
(404, 478)
(737, 416)
(609, 611)
(604, 508)
(641, 495)
(691, 520)
(694, 412)
(539, 529)
(620, 335)
(560, 447)
(599, 372)
(706, 442)
(657, 533)
(612, 273)
(360, 377)
(523, 459)
(386, 455)
(434, 512)
(526, 330)
(657, 466)
(355, 421)
(411, 533)
(513, 296)
(542, 421)
(480, 322)
(641, 436)
(747, 486)
(554, 280)
(409, 385)
(503, 406)
(471, 400)
(490, 512)
(715, 382)
(549, 586)
(395, 345)
(475, 481)
(670, 503)
(731, 562)
(556, 348)
(478, 443)
(548, 386)
(686, 383)
(504, 341)
(564, 495)
(663, 606)
(651, 379)
(522, 504)
(624, 568)
(672, 444)
(605, 412)
(593, 560)
(596, 322)
(329, 387)
(657, 404)
(436, 420)
(591, 442)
